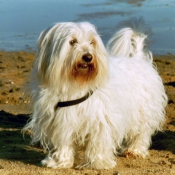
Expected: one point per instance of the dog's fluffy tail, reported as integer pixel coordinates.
(130, 41)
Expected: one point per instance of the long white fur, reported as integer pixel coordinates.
(125, 109)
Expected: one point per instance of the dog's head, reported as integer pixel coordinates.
(71, 52)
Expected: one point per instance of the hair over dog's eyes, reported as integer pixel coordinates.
(92, 42)
(72, 42)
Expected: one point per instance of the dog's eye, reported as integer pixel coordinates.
(92, 42)
(72, 42)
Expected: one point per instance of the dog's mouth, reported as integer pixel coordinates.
(84, 72)
(84, 66)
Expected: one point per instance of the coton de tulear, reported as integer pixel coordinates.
(83, 95)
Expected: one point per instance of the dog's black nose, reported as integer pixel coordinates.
(87, 58)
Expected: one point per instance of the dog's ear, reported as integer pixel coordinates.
(102, 57)
(100, 46)
(52, 49)
(44, 53)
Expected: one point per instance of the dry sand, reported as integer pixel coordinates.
(17, 157)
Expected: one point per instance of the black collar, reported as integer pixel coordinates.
(73, 102)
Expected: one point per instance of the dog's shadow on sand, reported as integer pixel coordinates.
(164, 141)
(16, 147)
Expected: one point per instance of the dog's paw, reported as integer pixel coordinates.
(136, 153)
(100, 165)
(51, 163)
(83, 166)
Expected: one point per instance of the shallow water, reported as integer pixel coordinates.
(23, 20)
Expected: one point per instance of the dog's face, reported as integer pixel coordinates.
(82, 56)
(71, 52)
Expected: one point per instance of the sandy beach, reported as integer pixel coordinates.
(18, 157)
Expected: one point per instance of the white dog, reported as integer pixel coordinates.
(80, 95)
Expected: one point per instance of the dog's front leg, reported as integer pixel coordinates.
(62, 153)
(62, 157)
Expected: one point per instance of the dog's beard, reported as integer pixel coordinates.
(83, 72)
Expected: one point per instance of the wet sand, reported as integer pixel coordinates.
(19, 158)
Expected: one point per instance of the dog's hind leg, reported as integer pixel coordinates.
(139, 144)
(100, 149)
